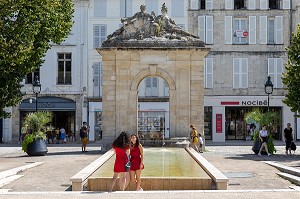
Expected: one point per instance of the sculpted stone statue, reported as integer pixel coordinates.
(148, 27)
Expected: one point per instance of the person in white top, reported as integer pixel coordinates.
(263, 134)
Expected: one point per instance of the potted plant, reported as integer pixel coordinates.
(34, 142)
(260, 118)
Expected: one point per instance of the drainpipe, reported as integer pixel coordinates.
(291, 20)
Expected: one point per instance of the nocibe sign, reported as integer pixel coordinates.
(254, 103)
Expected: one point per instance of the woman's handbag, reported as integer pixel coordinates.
(293, 146)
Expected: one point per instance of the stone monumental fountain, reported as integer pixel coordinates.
(149, 45)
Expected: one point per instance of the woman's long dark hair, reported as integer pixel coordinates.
(137, 143)
(122, 141)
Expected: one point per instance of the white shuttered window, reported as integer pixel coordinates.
(228, 30)
(251, 4)
(279, 30)
(229, 4)
(194, 4)
(240, 73)
(286, 4)
(100, 33)
(206, 29)
(263, 29)
(275, 70)
(252, 29)
(264, 4)
(209, 73)
(209, 4)
(97, 79)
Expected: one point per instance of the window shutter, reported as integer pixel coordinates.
(244, 73)
(209, 4)
(154, 86)
(209, 30)
(286, 5)
(236, 73)
(251, 4)
(122, 8)
(263, 30)
(148, 87)
(96, 31)
(271, 69)
(278, 30)
(201, 28)
(263, 4)
(208, 73)
(228, 4)
(194, 4)
(177, 8)
(279, 71)
(96, 80)
(103, 33)
(228, 29)
(129, 8)
(252, 30)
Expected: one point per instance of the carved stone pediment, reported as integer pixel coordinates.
(148, 30)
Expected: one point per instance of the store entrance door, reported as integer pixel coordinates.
(236, 127)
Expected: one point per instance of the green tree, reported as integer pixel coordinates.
(27, 30)
(291, 78)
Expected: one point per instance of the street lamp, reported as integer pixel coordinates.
(269, 89)
(36, 87)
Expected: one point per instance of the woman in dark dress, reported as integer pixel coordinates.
(121, 147)
(288, 136)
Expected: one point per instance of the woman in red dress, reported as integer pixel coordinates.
(136, 159)
(121, 147)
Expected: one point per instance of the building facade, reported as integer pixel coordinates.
(247, 41)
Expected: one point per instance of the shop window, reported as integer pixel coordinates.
(239, 4)
(64, 68)
(275, 4)
(29, 79)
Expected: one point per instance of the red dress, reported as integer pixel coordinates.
(135, 158)
(121, 160)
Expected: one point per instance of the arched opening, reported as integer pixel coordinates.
(153, 109)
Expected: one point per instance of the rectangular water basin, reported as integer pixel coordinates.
(165, 169)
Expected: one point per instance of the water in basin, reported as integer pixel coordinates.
(161, 162)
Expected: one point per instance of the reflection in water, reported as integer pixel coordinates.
(161, 162)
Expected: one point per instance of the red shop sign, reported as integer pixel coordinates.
(218, 123)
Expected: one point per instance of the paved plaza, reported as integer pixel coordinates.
(248, 174)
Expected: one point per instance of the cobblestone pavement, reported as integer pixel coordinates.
(235, 159)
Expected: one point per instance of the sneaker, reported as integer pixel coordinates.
(259, 154)
(269, 154)
(141, 189)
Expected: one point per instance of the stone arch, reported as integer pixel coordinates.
(153, 71)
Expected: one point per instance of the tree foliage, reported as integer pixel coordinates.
(27, 30)
(291, 78)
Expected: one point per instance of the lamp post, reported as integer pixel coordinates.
(36, 88)
(269, 89)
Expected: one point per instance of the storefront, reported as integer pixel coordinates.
(64, 111)
(153, 120)
(224, 116)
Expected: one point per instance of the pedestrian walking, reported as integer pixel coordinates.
(62, 135)
(200, 143)
(263, 136)
(121, 147)
(136, 159)
(288, 136)
(194, 138)
(84, 134)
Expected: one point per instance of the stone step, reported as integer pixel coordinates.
(293, 179)
(283, 168)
